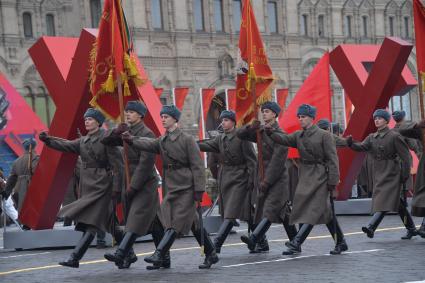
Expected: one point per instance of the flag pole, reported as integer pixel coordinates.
(173, 96)
(421, 87)
(258, 133)
(226, 95)
(344, 108)
(203, 124)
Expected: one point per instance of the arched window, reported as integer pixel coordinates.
(29, 97)
(365, 26)
(348, 26)
(95, 12)
(50, 25)
(406, 27)
(156, 12)
(27, 20)
(391, 25)
(304, 24)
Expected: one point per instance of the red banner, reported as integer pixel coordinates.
(281, 97)
(180, 94)
(315, 91)
(419, 18)
(159, 91)
(231, 99)
(254, 75)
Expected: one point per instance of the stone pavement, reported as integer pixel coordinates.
(384, 258)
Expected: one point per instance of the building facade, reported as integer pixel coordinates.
(193, 43)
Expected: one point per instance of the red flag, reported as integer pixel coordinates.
(419, 18)
(253, 68)
(159, 91)
(316, 91)
(206, 97)
(281, 96)
(231, 99)
(180, 94)
(111, 60)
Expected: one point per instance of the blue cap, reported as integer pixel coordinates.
(95, 114)
(27, 143)
(229, 114)
(323, 124)
(382, 113)
(273, 106)
(399, 115)
(307, 110)
(136, 106)
(172, 111)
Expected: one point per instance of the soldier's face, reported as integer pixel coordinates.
(380, 122)
(91, 124)
(305, 121)
(268, 115)
(167, 121)
(227, 124)
(132, 117)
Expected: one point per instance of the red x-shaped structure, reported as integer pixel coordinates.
(63, 64)
(370, 76)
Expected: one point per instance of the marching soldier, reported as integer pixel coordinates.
(100, 183)
(142, 195)
(22, 171)
(413, 144)
(318, 178)
(183, 185)
(415, 130)
(391, 169)
(235, 176)
(273, 191)
(324, 124)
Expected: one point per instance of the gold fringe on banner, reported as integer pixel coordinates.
(109, 84)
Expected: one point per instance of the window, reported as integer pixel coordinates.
(391, 25)
(237, 14)
(29, 97)
(95, 12)
(364, 22)
(406, 27)
(50, 25)
(402, 103)
(321, 26)
(27, 25)
(348, 32)
(272, 12)
(198, 13)
(218, 15)
(157, 22)
(304, 25)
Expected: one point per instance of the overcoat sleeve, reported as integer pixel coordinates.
(211, 145)
(147, 144)
(284, 138)
(246, 133)
(64, 145)
(362, 146)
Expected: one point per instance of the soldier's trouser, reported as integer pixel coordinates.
(406, 217)
(338, 233)
(208, 244)
(157, 231)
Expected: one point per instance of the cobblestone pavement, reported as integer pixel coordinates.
(384, 258)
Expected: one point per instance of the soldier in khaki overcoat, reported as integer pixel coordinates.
(237, 166)
(318, 178)
(391, 169)
(272, 201)
(100, 183)
(183, 185)
(142, 194)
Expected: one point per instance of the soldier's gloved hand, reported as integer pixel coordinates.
(198, 196)
(255, 125)
(268, 129)
(116, 196)
(421, 124)
(43, 136)
(264, 186)
(130, 192)
(123, 127)
(349, 140)
(127, 137)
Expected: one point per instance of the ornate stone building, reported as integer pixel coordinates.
(194, 42)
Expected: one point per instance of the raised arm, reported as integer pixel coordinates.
(411, 130)
(246, 133)
(331, 159)
(63, 145)
(361, 146)
(283, 138)
(146, 144)
(210, 145)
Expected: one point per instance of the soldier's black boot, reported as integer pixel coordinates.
(124, 256)
(294, 246)
(157, 234)
(340, 243)
(222, 234)
(373, 224)
(421, 230)
(209, 249)
(159, 256)
(291, 230)
(407, 221)
(79, 251)
(262, 246)
(257, 235)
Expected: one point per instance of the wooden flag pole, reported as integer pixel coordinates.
(258, 133)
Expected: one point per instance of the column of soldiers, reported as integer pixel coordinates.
(256, 191)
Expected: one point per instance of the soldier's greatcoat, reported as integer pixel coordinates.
(418, 200)
(20, 176)
(391, 165)
(144, 204)
(236, 173)
(100, 174)
(271, 204)
(183, 174)
(318, 168)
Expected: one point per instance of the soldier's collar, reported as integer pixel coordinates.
(229, 135)
(138, 126)
(382, 133)
(94, 137)
(309, 131)
(174, 134)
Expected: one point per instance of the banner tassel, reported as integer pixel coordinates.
(109, 85)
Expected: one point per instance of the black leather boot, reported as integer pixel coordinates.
(294, 246)
(291, 230)
(124, 253)
(222, 234)
(262, 246)
(374, 223)
(158, 257)
(407, 221)
(157, 234)
(257, 235)
(340, 243)
(209, 249)
(79, 251)
(421, 230)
